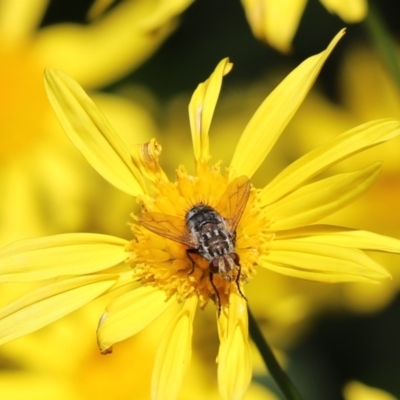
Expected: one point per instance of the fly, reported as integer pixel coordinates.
(207, 233)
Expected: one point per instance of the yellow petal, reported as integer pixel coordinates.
(92, 134)
(348, 10)
(274, 21)
(165, 10)
(201, 110)
(19, 19)
(337, 149)
(173, 355)
(98, 8)
(358, 391)
(275, 112)
(60, 255)
(315, 276)
(344, 237)
(234, 356)
(117, 43)
(320, 199)
(337, 264)
(130, 313)
(42, 306)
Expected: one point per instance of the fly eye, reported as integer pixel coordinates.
(214, 266)
(236, 259)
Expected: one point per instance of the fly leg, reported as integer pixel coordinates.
(237, 281)
(235, 258)
(218, 299)
(188, 253)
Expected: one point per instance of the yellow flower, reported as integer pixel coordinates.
(276, 21)
(270, 228)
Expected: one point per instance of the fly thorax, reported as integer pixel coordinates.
(201, 215)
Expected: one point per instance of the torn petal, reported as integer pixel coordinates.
(146, 157)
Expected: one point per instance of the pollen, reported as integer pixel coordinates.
(160, 256)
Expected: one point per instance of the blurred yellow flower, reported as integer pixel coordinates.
(276, 21)
(172, 263)
(358, 391)
(36, 162)
(371, 91)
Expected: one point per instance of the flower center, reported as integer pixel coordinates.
(192, 240)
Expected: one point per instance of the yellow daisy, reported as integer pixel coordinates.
(168, 260)
(276, 21)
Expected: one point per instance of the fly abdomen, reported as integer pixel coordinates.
(214, 242)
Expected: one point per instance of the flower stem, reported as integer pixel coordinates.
(383, 41)
(280, 377)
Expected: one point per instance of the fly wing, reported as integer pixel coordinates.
(168, 226)
(234, 201)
